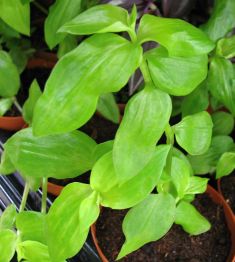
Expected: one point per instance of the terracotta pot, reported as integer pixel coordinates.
(42, 60)
(221, 193)
(215, 196)
(54, 189)
(12, 123)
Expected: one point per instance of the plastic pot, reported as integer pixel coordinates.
(216, 198)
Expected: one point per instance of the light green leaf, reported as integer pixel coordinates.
(66, 232)
(34, 94)
(221, 82)
(98, 19)
(66, 45)
(180, 175)
(7, 245)
(193, 133)
(5, 105)
(225, 165)
(177, 153)
(107, 106)
(176, 75)
(59, 156)
(16, 15)
(31, 226)
(148, 221)
(104, 180)
(190, 219)
(222, 14)
(7, 219)
(223, 123)
(101, 149)
(226, 47)
(9, 76)
(177, 36)
(206, 163)
(33, 251)
(196, 101)
(197, 185)
(81, 76)
(60, 12)
(6, 166)
(145, 118)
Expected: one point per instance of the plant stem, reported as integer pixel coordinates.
(132, 35)
(169, 135)
(44, 195)
(24, 198)
(17, 105)
(41, 8)
(145, 71)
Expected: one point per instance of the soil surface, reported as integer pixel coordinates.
(176, 245)
(100, 129)
(228, 189)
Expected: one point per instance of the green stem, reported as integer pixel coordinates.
(132, 35)
(40, 7)
(44, 195)
(24, 198)
(17, 105)
(169, 135)
(145, 71)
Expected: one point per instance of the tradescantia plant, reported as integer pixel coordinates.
(124, 172)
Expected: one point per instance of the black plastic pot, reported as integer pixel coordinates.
(11, 190)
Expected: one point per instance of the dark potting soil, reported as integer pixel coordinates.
(228, 189)
(176, 245)
(100, 129)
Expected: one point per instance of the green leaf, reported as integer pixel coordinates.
(34, 94)
(197, 185)
(190, 219)
(31, 226)
(16, 15)
(107, 106)
(8, 71)
(5, 105)
(7, 219)
(104, 180)
(59, 156)
(6, 166)
(222, 14)
(180, 175)
(177, 36)
(7, 245)
(81, 76)
(206, 163)
(148, 221)
(223, 123)
(101, 149)
(225, 165)
(177, 153)
(66, 45)
(144, 121)
(196, 101)
(33, 251)
(176, 75)
(7, 31)
(66, 232)
(221, 82)
(226, 47)
(60, 12)
(193, 133)
(98, 19)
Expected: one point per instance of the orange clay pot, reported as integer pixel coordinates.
(12, 123)
(216, 198)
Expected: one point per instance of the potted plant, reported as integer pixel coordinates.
(124, 172)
